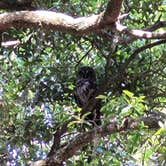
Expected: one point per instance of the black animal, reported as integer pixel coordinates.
(85, 94)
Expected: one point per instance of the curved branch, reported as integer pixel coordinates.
(157, 25)
(62, 22)
(81, 25)
(140, 49)
(49, 19)
(87, 137)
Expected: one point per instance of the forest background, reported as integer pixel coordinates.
(43, 43)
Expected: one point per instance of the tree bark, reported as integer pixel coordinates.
(64, 153)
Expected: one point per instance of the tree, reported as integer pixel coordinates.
(41, 51)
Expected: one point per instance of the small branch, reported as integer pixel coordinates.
(100, 48)
(85, 55)
(140, 49)
(8, 44)
(157, 25)
(140, 33)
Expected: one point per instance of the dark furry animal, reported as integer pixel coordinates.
(85, 94)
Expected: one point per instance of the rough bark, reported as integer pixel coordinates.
(60, 21)
(80, 25)
(64, 153)
(140, 33)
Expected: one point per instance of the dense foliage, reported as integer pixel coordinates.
(38, 77)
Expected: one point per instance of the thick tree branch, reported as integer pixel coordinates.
(49, 19)
(87, 137)
(62, 22)
(57, 137)
(112, 11)
(81, 25)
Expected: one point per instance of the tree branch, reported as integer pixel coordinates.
(140, 49)
(49, 19)
(140, 33)
(80, 25)
(112, 11)
(62, 22)
(157, 25)
(87, 137)
(57, 137)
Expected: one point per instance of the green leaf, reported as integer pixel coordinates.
(126, 110)
(101, 97)
(128, 93)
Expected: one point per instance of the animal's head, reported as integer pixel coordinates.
(86, 72)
